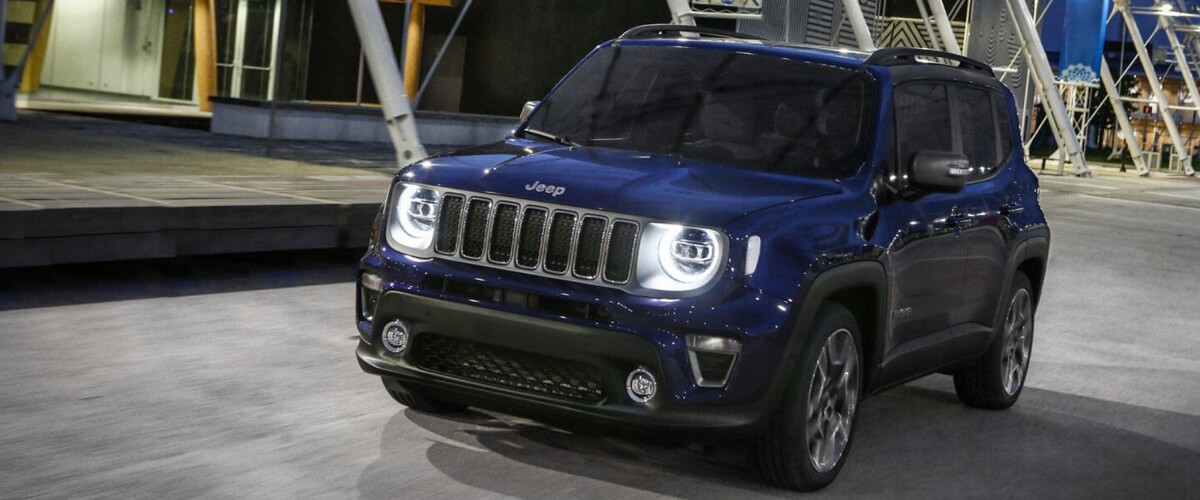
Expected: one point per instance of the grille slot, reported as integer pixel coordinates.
(558, 247)
(448, 223)
(587, 250)
(501, 366)
(504, 227)
(533, 229)
(621, 245)
(542, 239)
(475, 229)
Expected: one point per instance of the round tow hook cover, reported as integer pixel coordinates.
(396, 337)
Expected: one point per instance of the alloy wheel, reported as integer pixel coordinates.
(1018, 341)
(832, 400)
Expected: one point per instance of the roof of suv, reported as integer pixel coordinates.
(847, 58)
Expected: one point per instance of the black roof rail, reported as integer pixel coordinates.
(896, 56)
(677, 30)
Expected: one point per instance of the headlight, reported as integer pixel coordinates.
(414, 215)
(679, 258)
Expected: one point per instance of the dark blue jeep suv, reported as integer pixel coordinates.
(700, 231)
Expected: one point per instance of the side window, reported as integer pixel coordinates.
(976, 118)
(922, 120)
(1003, 126)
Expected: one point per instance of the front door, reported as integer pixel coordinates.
(926, 254)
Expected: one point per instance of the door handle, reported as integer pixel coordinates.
(1011, 208)
(959, 219)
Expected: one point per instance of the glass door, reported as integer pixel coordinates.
(247, 35)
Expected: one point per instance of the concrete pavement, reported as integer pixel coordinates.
(235, 377)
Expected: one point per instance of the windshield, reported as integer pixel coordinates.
(750, 111)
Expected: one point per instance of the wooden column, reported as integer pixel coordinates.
(205, 41)
(31, 79)
(412, 50)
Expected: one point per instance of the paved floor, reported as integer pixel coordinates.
(235, 378)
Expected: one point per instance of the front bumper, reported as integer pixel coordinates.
(614, 353)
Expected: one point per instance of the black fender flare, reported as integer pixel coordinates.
(1033, 247)
(821, 288)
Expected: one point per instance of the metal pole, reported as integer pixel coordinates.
(1118, 105)
(276, 66)
(862, 33)
(933, 38)
(8, 93)
(3, 23)
(681, 12)
(1184, 67)
(389, 84)
(1155, 85)
(1052, 101)
(943, 24)
(438, 60)
(1188, 78)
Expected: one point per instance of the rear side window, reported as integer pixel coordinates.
(976, 125)
(1003, 127)
(922, 120)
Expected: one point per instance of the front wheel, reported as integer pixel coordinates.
(808, 438)
(996, 380)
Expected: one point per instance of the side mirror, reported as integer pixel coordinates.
(939, 171)
(528, 108)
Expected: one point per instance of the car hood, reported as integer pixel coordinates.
(659, 187)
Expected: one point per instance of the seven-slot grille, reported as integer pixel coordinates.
(556, 241)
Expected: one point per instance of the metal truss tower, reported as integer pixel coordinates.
(1059, 118)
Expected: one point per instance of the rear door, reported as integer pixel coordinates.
(988, 199)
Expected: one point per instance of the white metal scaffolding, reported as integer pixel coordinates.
(1059, 119)
(1167, 22)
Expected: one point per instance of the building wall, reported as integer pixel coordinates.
(510, 51)
(104, 45)
(518, 49)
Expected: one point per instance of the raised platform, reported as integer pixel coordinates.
(334, 122)
(78, 189)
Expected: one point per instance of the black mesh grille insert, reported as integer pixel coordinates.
(620, 252)
(503, 227)
(532, 228)
(475, 229)
(447, 238)
(587, 252)
(558, 249)
(507, 367)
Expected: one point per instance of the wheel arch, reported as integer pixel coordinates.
(860, 287)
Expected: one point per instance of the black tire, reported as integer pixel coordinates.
(989, 383)
(783, 450)
(418, 400)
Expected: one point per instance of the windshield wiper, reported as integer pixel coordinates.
(547, 135)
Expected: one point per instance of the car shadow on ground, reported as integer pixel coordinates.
(915, 441)
(75, 284)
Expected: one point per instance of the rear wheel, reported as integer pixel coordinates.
(808, 438)
(996, 380)
(419, 400)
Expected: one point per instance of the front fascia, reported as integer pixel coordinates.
(729, 309)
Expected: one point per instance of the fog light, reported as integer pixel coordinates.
(641, 386)
(395, 337)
